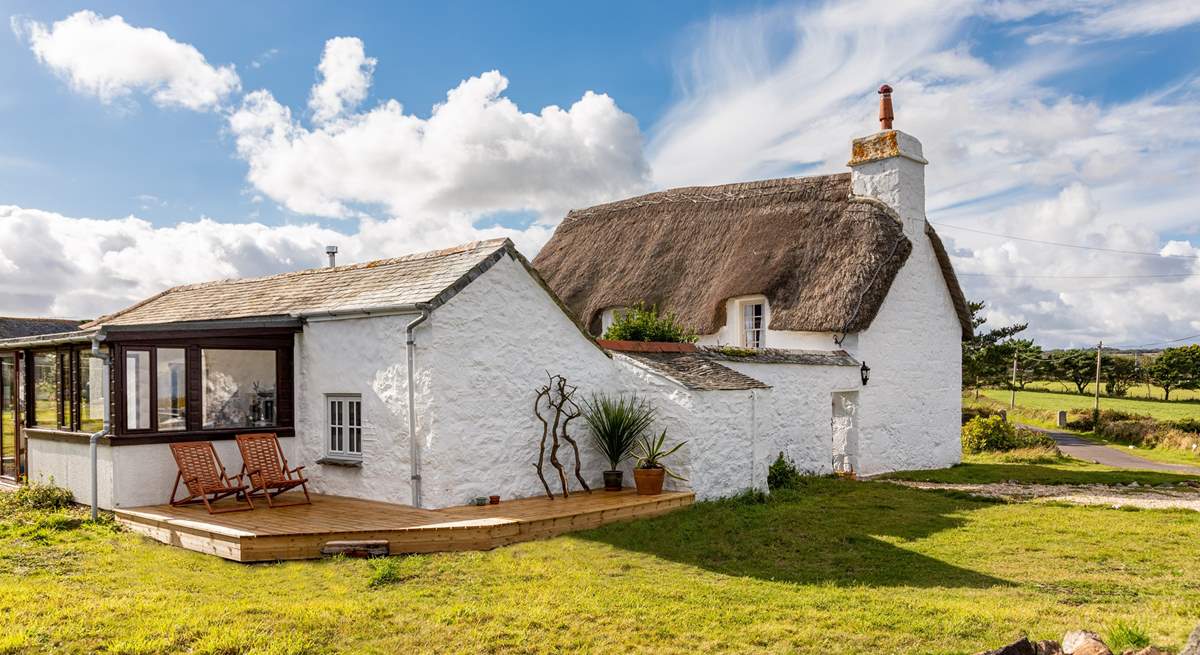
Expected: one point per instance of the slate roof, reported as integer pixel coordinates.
(11, 327)
(781, 356)
(695, 370)
(428, 277)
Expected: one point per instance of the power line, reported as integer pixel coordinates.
(1158, 343)
(1063, 245)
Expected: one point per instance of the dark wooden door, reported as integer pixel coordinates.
(12, 460)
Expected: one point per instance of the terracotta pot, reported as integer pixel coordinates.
(494, 500)
(613, 480)
(649, 481)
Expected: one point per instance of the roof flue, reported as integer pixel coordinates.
(885, 107)
(332, 252)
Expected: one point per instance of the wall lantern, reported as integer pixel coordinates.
(865, 371)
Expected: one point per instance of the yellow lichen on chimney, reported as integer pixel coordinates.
(872, 148)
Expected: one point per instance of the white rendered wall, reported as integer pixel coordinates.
(488, 349)
(363, 356)
(129, 476)
(795, 418)
(910, 411)
(726, 451)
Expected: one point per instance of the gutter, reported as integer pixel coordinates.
(414, 445)
(94, 440)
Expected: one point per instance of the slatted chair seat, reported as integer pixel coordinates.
(266, 467)
(203, 475)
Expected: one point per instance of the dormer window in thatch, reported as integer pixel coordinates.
(753, 312)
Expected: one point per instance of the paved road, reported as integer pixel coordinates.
(1080, 448)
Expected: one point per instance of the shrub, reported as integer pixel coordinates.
(37, 496)
(642, 324)
(992, 433)
(1081, 419)
(1134, 432)
(783, 474)
(1026, 438)
(969, 413)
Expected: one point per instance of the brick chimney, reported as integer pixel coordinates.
(889, 166)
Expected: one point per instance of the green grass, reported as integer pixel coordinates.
(1153, 392)
(833, 567)
(1040, 400)
(989, 468)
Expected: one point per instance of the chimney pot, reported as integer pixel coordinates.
(332, 252)
(886, 116)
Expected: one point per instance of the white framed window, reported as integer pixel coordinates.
(753, 323)
(343, 437)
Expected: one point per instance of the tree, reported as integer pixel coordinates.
(1076, 366)
(1031, 364)
(987, 355)
(1119, 373)
(1175, 368)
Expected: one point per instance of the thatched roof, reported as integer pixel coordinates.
(11, 327)
(823, 259)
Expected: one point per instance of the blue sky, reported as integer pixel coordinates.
(209, 140)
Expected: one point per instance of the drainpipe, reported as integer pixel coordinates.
(413, 443)
(94, 440)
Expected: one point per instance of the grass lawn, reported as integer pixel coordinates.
(833, 567)
(1153, 392)
(1041, 400)
(984, 469)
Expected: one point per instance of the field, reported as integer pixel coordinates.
(831, 567)
(1152, 392)
(1058, 401)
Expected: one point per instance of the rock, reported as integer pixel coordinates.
(1047, 647)
(1021, 646)
(1082, 642)
(1148, 650)
(1134, 484)
(1192, 647)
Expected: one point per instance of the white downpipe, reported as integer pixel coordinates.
(94, 440)
(413, 442)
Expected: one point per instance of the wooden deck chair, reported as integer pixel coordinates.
(204, 477)
(266, 467)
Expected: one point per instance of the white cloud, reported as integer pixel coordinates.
(345, 78)
(476, 154)
(784, 91)
(1113, 19)
(111, 59)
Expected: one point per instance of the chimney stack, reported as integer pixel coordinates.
(885, 108)
(332, 252)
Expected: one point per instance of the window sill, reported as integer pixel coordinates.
(334, 460)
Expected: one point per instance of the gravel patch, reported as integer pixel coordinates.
(1115, 496)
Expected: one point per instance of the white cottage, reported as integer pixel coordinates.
(411, 380)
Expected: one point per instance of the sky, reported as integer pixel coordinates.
(148, 145)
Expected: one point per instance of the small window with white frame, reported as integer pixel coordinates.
(753, 323)
(344, 421)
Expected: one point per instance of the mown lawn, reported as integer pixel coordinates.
(832, 567)
(1152, 392)
(1042, 400)
(986, 469)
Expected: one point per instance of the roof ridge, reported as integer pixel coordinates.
(494, 244)
(706, 194)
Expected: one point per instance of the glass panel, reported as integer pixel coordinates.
(45, 389)
(239, 388)
(8, 417)
(137, 389)
(752, 318)
(355, 426)
(91, 393)
(172, 392)
(66, 387)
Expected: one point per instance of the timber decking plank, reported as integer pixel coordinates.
(299, 532)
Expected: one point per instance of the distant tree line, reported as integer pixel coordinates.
(987, 361)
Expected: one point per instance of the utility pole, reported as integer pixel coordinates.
(1012, 403)
(1096, 409)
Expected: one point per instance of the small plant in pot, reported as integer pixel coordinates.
(651, 472)
(614, 425)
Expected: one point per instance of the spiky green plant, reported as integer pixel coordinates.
(615, 423)
(651, 453)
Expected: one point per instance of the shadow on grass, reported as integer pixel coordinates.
(827, 532)
(1070, 473)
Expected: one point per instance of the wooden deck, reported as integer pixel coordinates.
(301, 532)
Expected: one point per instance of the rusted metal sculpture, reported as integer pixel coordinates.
(557, 397)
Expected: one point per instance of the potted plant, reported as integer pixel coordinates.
(650, 471)
(614, 425)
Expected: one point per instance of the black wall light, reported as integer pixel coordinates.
(865, 371)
